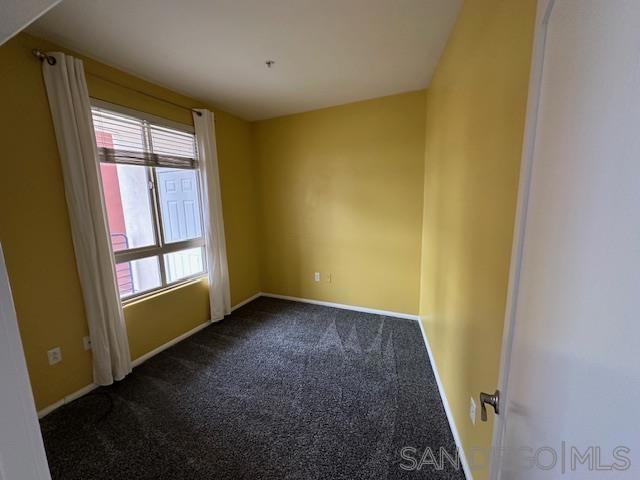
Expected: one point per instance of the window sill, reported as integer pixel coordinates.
(161, 291)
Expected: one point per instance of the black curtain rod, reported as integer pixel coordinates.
(52, 61)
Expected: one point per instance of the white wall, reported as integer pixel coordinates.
(138, 220)
(575, 371)
(21, 450)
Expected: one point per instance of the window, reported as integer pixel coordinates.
(151, 190)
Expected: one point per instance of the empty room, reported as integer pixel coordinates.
(304, 239)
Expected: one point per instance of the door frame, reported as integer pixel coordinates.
(22, 453)
(543, 14)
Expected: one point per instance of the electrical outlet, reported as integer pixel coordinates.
(316, 276)
(55, 356)
(86, 342)
(472, 411)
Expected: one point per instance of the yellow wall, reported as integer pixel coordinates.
(475, 123)
(34, 225)
(341, 193)
(337, 190)
(166, 315)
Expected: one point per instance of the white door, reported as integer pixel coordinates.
(22, 453)
(180, 208)
(572, 369)
(179, 202)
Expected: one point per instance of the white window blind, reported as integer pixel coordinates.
(128, 140)
(151, 186)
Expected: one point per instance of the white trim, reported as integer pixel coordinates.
(22, 453)
(143, 358)
(545, 8)
(445, 402)
(355, 308)
(248, 300)
(147, 294)
(84, 390)
(68, 399)
(140, 115)
(185, 335)
(447, 408)
(138, 361)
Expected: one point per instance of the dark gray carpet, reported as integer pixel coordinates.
(278, 390)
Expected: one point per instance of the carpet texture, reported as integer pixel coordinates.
(277, 390)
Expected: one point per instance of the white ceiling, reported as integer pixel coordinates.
(17, 14)
(327, 52)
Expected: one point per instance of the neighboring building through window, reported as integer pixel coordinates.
(152, 197)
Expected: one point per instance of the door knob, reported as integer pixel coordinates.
(493, 400)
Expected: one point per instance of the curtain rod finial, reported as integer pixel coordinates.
(43, 56)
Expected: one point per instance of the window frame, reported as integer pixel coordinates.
(160, 248)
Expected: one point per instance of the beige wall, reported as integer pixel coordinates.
(341, 193)
(475, 124)
(34, 225)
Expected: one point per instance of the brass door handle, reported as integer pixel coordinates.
(493, 400)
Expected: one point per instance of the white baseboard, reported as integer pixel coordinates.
(248, 300)
(447, 408)
(155, 351)
(69, 398)
(170, 343)
(463, 460)
(356, 308)
(185, 335)
(83, 391)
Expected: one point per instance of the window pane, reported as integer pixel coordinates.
(179, 204)
(138, 276)
(128, 204)
(183, 264)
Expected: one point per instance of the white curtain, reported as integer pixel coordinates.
(219, 291)
(71, 112)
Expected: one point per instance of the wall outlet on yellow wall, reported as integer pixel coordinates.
(316, 276)
(54, 355)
